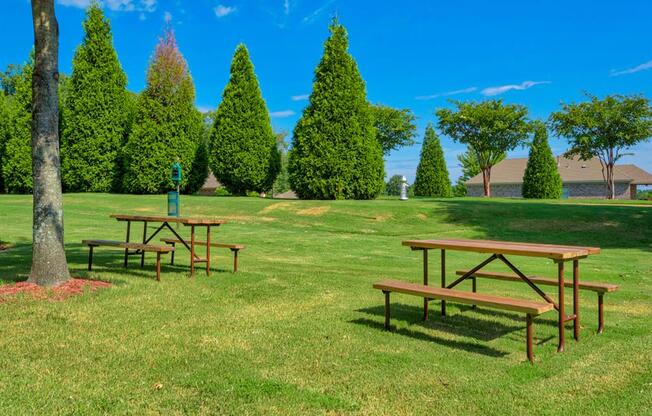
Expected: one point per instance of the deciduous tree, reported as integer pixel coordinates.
(490, 129)
(395, 128)
(604, 128)
(49, 265)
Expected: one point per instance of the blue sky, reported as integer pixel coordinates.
(412, 54)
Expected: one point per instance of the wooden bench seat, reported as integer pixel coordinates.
(599, 288)
(235, 248)
(529, 308)
(139, 247)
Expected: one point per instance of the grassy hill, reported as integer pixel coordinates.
(299, 329)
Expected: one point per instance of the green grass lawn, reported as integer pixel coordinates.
(299, 330)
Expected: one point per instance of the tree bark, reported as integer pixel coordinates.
(486, 181)
(49, 265)
(611, 191)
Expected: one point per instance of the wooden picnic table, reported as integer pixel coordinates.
(560, 254)
(165, 222)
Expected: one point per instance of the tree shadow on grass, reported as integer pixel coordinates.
(544, 222)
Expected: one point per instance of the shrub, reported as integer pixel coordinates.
(541, 179)
(432, 174)
(335, 153)
(243, 148)
(95, 111)
(166, 127)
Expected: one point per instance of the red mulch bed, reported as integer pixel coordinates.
(71, 288)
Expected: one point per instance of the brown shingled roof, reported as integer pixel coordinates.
(511, 171)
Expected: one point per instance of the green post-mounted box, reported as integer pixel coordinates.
(173, 204)
(177, 176)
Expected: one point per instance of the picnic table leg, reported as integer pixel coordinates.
(235, 259)
(386, 310)
(562, 314)
(208, 250)
(192, 250)
(142, 255)
(443, 280)
(425, 283)
(127, 240)
(174, 246)
(576, 299)
(90, 257)
(158, 266)
(600, 313)
(528, 330)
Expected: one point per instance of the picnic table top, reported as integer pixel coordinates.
(551, 251)
(180, 220)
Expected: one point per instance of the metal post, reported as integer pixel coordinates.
(235, 260)
(576, 299)
(127, 249)
(562, 314)
(192, 250)
(528, 330)
(142, 256)
(600, 313)
(386, 310)
(90, 257)
(443, 280)
(425, 283)
(208, 250)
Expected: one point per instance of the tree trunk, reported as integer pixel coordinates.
(486, 181)
(611, 191)
(49, 266)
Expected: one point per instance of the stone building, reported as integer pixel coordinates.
(580, 179)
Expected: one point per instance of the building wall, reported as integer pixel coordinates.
(571, 190)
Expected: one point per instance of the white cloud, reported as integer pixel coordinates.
(447, 93)
(301, 97)
(642, 67)
(115, 5)
(282, 114)
(167, 16)
(518, 87)
(204, 108)
(286, 6)
(312, 16)
(221, 10)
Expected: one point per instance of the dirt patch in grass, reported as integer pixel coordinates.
(71, 288)
(5, 246)
(273, 207)
(314, 211)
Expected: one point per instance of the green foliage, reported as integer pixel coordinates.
(432, 174)
(541, 179)
(5, 120)
(95, 111)
(490, 129)
(166, 126)
(17, 156)
(394, 128)
(604, 128)
(393, 185)
(243, 148)
(199, 169)
(282, 182)
(10, 78)
(335, 153)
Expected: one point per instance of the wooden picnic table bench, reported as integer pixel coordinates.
(599, 288)
(165, 222)
(529, 308)
(499, 250)
(129, 246)
(235, 248)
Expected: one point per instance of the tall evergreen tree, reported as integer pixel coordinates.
(335, 154)
(95, 111)
(167, 126)
(243, 147)
(541, 179)
(432, 174)
(17, 156)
